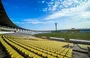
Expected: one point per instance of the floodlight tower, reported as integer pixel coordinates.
(56, 26)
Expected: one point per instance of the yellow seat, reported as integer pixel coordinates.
(36, 56)
(44, 55)
(49, 56)
(60, 56)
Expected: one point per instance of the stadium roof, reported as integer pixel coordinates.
(4, 19)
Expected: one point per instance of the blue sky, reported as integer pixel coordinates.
(43, 14)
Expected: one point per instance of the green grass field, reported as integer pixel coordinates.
(67, 36)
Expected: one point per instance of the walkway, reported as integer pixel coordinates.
(79, 53)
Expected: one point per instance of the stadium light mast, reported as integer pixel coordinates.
(56, 26)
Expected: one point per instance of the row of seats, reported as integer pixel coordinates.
(45, 48)
(83, 46)
(10, 50)
(55, 49)
(26, 53)
(33, 50)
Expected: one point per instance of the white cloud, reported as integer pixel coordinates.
(18, 22)
(77, 17)
(67, 3)
(38, 22)
(43, 1)
(84, 24)
(33, 21)
(55, 5)
(85, 14)
(75, 11)
(74, 17)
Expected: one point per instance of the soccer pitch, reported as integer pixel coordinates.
(68, 35)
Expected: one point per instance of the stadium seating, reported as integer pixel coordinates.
(39, 48)
(26, 52)
(83, 46)
(10, 50)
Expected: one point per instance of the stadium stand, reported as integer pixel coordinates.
(83, 46)
(10, 50)
(36, 48)
(85, 30)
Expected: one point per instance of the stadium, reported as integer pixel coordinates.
(18, 42)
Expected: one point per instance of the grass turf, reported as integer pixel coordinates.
(67, 36)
